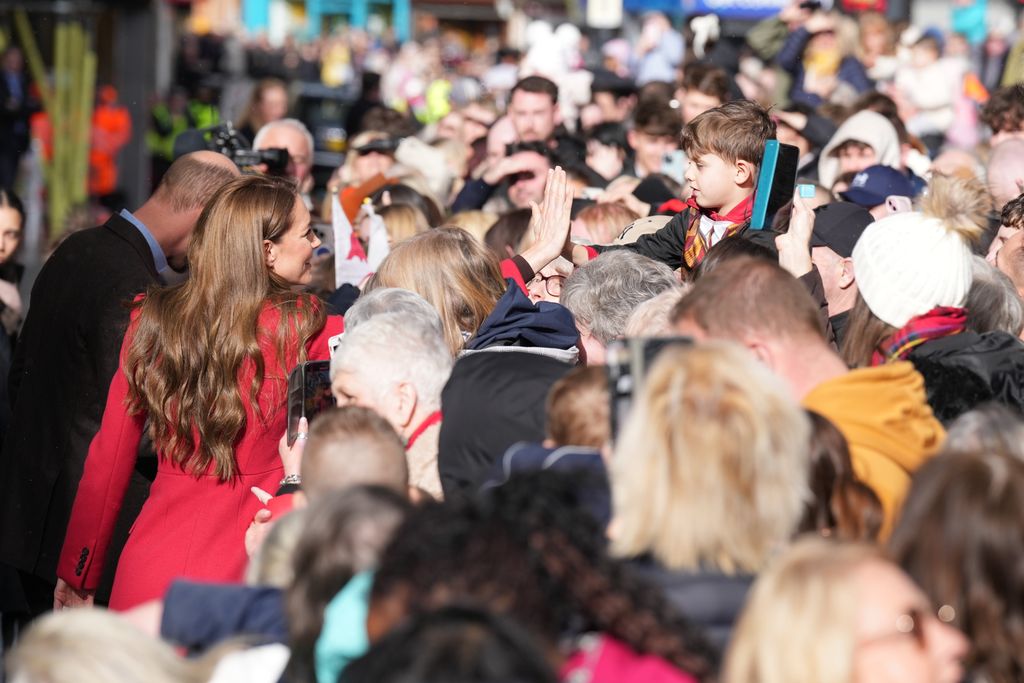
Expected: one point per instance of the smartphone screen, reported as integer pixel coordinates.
(309, 393)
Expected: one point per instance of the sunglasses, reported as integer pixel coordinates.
(912, 623)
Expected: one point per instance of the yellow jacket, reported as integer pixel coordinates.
(884, 414)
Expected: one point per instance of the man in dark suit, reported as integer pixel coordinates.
(65, 359)
(16, 105)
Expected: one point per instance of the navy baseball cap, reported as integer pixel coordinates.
(839, 225)
(870, 187)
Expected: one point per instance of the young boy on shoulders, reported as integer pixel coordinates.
(724, 146)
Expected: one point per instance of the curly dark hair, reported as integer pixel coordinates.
(1013, 213)
(529, 550)
(453, 644)
(1004, 112)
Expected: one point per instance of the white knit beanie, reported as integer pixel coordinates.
(909, 263)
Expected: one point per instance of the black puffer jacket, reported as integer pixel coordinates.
(709, 599)
(965, 370)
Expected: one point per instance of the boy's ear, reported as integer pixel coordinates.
(745, 171)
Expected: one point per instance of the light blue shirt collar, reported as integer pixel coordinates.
(163, 268)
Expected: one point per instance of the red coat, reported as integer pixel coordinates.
(191, 527)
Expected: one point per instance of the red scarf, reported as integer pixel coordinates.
(695, 246)
(942, 321)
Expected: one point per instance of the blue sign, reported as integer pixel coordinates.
(735, 9)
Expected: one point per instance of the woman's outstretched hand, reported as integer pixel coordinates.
(550, 222)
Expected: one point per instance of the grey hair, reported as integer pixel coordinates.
(993, 302)
(391, 348)
(294, 124)
(653, 318)
(392, 300)
(991, 427)
(602, 294)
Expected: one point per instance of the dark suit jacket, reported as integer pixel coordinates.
(62, 367)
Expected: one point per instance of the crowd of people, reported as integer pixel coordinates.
(591, 421)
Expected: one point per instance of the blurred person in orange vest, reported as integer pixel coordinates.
(111, 130)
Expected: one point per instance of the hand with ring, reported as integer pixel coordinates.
(291, 456)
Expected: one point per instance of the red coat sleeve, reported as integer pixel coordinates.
(510, 270)
(108, 469)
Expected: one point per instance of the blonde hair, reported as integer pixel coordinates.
(403, 221)
(799, 622)
(453, 272)
(476, 223)
(91, 645)
(711, 469)
(604, 222)
(271, 565)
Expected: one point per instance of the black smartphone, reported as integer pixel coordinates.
(627, 363)
(309, 393)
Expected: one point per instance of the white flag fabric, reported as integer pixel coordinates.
(342, 239)
(378, 248)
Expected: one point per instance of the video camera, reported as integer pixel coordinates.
(226, 140)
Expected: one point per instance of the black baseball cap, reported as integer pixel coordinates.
(839, 225)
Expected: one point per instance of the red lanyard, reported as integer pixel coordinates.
(432, 419)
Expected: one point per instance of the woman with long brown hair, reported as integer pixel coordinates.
(204, 364)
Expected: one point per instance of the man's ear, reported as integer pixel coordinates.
(631, 136)
(744, 172)
(761, 349)
(405, 403)
(847, 277)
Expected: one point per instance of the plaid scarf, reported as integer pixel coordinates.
(695, 246)
(942, 321)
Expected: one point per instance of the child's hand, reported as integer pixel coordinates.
(795, 245)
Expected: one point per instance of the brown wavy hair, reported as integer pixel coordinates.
(190, 341)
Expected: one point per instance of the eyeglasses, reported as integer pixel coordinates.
(552, 283)
(912, 623)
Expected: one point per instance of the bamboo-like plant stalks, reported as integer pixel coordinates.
(57, 189)
(68, 103)
(36, 66)
(87, 78)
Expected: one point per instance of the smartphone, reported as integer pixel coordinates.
(805, 190)
(897, 204)
(309, 393)
(627, 363)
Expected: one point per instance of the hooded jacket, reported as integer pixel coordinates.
(868, 127)
(884, 414)
(497, 390)
(964, 370)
